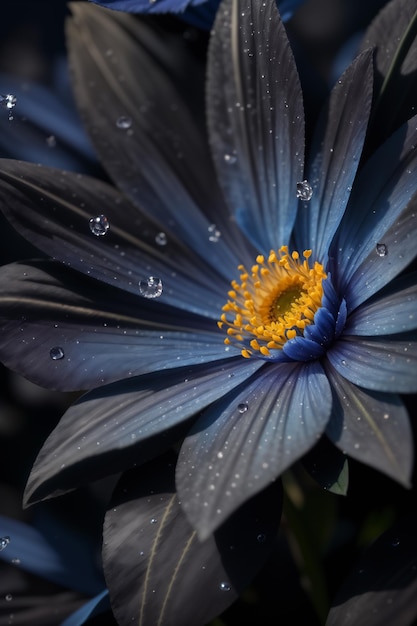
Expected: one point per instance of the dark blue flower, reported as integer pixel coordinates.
(322, 328)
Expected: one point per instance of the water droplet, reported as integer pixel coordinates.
(395, 542)
(261, 538)
(4, 542)
(51, 141)
(161, 239)
(243, 407)
(8, 597)
(304, 191)
(16, 561)
(230, 159)
(153, 520)
(8, 102)
(56, 353)
(381, 249)
(124, 122)
(99, 225)
(224, 586)
(150, 287)
(214, 233)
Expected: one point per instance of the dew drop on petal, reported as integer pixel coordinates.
(4, 542)
(395, 542)
(161, 239)
(8, 597)
(224, 586)
(124, 122)
(51, 141)
(230, 159)
(214, 233)
(261, 538)
(304, 190)
(150, 287)
(242, 407)
(8, 101)
(381, 249)
(153, 520)
(99, 225)
(56, 353)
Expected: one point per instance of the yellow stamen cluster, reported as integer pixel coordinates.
(273, 302)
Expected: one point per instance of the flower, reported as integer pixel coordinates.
(300, 261)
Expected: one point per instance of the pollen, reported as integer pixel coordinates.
(272, 302)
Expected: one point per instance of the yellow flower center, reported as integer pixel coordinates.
(273, 302)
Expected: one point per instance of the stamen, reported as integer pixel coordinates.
(273, 302)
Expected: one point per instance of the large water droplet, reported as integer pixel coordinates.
(4, 542)
(99, 225)
(214, 233)
(150, 287)
(56, 353)
(242, 407)
(161, 239)
(224, 586)
(304, 190)
(381, 249)
(124, 122)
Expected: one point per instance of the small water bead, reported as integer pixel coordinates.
(99, 225)
(4, 542)
(242, 407)
(51, 141)
(224, 586)
(230, 159)
(161, 239)
(153, 521)
(150, 287)
(214, 233)
(124, 122)
(304, 190)
(381, 249)
(261, 538)
(56, 353)
(395, 542)
(8, 597)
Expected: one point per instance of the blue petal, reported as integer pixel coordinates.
(392, 310)
(303, 349)
(119, 425)
(256, 120)
(336, 150)
(387, 363)
(70, 566)
(387, 187)
(93, 607)
(372, 427)
(246, 440)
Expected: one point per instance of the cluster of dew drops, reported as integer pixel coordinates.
(8, 102)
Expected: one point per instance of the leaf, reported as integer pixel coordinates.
(381, 589)
(158, 572)
(328, 466)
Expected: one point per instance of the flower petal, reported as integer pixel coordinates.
(387, 187)
(120, 425)
(392, 34)
(53, 208)
(256, 119)
(336, 150)
(134, 92)
(96, 606)
(382, 586)
(392, 310)
(67, 332)
(169, 576)
(387, 363)
(372, 427)
(245, 441)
